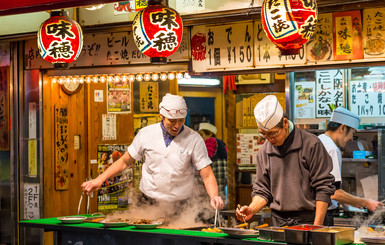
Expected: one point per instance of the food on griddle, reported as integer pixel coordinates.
(143, 222)
(116, 220)
(215, 230)
(241, 225)
(97, 220)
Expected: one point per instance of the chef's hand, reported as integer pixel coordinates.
(372, 205)
(244, 211)
(216, 202)
(90, 186)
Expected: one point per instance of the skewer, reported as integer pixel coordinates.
(215, 218)
(243, 216)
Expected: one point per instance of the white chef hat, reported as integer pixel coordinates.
(268, 112)
(173, 107)
(343, 116)
(208, 126)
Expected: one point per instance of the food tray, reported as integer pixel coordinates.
(239, 233)
(272, 233)
(332, 236)
(373, 240)
(153, 225)
(112, 224)
(72, 219)
(299, 234)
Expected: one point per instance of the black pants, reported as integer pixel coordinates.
(292, 217)
(329, 220)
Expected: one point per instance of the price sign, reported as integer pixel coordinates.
(190, 6)
(367, 98)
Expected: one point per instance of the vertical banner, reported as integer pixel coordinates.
(374, 32)
(367, 97)
(330, 90)
(320, 46)
(347, 35)
(4, 109)
(61, 147)
(108, 127)
(305, 100)
(149, 96)
(230, 46)
(32, 157)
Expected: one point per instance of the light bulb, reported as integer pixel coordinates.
(171, 76)
(147, 77)
(163, 76)
(139, 77)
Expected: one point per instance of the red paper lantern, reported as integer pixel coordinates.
(157, 31)
(289, 23)
(60, 39)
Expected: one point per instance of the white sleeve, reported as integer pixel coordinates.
(136, 148)
(336, 172)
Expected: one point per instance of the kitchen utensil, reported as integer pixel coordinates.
(80, 202)
(215, 217)
(147, 226)
(299, 234)
(241, 233)
(72, 219)
(243, 216)
(276, 234)
(332, 236)
(113, 224)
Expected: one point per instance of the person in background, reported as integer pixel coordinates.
(340, 129)
(217, 151)
(293, 171)
(171, 153)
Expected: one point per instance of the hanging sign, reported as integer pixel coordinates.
(330, 87)
(31, 201)
(320, 46)
(367, 97)
(157, 31)
(60, 39)
(61, 148)
(149, 96)
(305, 100)
(347, 35)
(374, 32)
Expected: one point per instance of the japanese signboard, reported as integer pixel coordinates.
(31, 201)
(105, 49)
(109, 127)
(113, 194)
(347, 35)
(305, 100)
(143, 120)
(119, 96)
(149, 96)
(367, 97)
(320, 46)
(61, 147)
(230, 46)
(190, 6)
(247, 148)
(4, 109)
(374, 32)
(330, 87)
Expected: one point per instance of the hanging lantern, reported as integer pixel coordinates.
(60, 39)
(289, 23)
(157, 31)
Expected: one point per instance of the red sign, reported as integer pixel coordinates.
(289, 23)
(60, 40)
(157, 31)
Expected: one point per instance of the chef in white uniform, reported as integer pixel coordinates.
(340, 129)
(171, 153)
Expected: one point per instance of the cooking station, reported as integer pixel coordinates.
(96, 233)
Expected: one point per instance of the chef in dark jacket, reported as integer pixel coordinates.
(293, 171)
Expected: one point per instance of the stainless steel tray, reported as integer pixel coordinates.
(299, 234)
(332, 236)
(272, 233)
(241, 233)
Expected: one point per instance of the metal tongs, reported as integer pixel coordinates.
(217, 219)
(88, 200)
(243, 216)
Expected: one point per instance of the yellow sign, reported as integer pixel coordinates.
(32, 158)
(149, 97)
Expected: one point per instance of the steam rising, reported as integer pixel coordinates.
(365, 230)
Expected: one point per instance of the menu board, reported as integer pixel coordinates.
(61, 147)
(374, 32)
(367, 97)
(247, 147)
(304, 100)
(347, 35)
(330, 88)
(320, 46)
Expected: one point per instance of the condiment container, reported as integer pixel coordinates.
(332, 236)
(272, 233)
(299, 234)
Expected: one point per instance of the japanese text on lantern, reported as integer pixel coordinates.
(62, 48)
(165, 40)
(329, 91)
(61, 147)
(367, 98)
(276, 13)
(149, 96)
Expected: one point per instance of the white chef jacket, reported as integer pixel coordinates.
(168, 172)
(335, 154)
